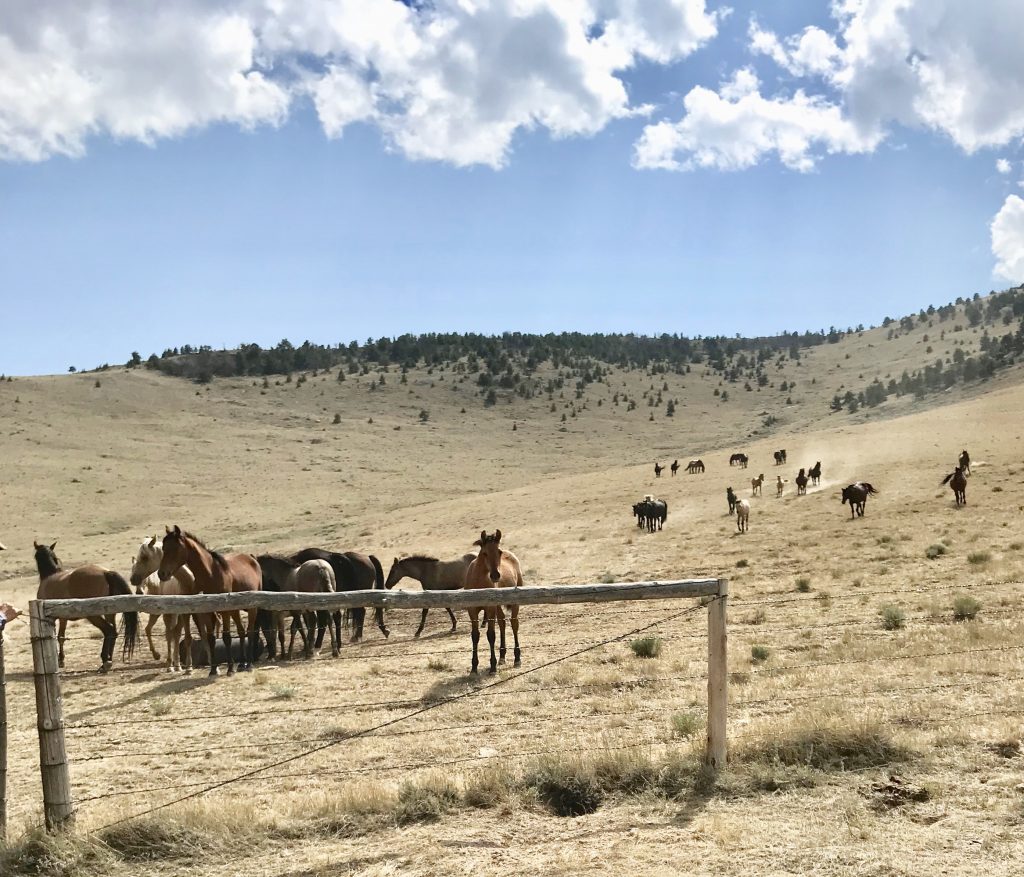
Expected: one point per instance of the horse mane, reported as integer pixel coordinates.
(424, 557)
(218, 558)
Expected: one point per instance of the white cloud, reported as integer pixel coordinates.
(946, 65)
(736, 127)
(1003, 166)
(453, 80)
(1008, 240)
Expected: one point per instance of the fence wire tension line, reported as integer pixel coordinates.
(58, 805)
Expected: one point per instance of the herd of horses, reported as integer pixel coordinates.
(647, 511)
(181, 564)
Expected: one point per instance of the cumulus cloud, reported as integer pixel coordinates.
(1008, 240)
(453, 80)
(736, 127)
(1003, 166)
(945, 65)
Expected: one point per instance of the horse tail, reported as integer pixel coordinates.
(664, 515)
(378, 572)
(869, 488)
(117, 586)
(946, 479)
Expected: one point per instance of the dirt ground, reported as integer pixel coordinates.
(254, 469)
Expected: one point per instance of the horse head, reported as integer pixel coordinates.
(395, 574)
(47, 561)
(173, 548)
(490, 551)
(146, 562)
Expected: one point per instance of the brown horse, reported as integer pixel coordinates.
(494, 568)
(433, 575)
(82, 583)
(215, 574)
(957, 482)
(755, 485)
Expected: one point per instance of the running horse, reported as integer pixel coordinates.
(215, 573)
(957, 482)
(814, 473)
(83, 583)
(857, 495)
(801, 483)
(494, 568)
(965, 462)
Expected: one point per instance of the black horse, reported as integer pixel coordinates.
(674, 467)
(731, 499)
(695, 466)
(658, 469)
(738, 460)
(651, 513)
(352, 572)
(857, 495)
(957, 482)
(965, 462)
(814, 473)
(801, 483)
(780, 457)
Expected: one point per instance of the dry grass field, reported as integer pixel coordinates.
(872, 732)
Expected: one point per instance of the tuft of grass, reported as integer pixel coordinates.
(283, 692)
(438, 664)
(686, 725)
(425, 801)
(965, 608)
(566, 788)
(742, 563)
(758, 616)
(977, 558)
(488, 787)
(646, 646)
(67, 854)
(150, 839)
(827, 747)
(607, 578)
(759, 654)
(803, 584)
(160, 706)
(893, 618)
(934, 551)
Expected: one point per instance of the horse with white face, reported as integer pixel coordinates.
(145, 581)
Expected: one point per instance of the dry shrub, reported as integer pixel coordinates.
(566, 787)
(827, 747)
(426, 801)
(55, 855)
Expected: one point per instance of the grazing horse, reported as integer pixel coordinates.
(780, 457)
(311, 577)
(801, 483)
(658, 469)
(742, 515)
(780, 483)
(965, 462)
(738, 460)
(957, 481)
(494, 568)
(857, 495)
(82, 583)
(755, 485)
(694, 466)
(730, 497)
(145, 581)
(814, 474)
(352, 572)
(433, 575)
(674, 467)
(215, 573)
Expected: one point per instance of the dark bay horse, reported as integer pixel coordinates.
(814, 473)
(215, 573)
(674, 467)
(694, 466)
(957, 482)
(82, 583)
(658, 469)
(801, 483)
(740, 460)
(965, 462)
(311, 577)
(352, 572)
(433, 575)
(780, 457)
(857, 495)
(731, 499)
(494, 568)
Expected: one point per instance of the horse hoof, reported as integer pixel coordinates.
(493, 671)
(517, 663)
(215, 672)
(245, 669)
(105, 667)
(473, 671)
(335, 653)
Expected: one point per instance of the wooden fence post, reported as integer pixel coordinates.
(718, 677)
(3, 744)
(53, 759)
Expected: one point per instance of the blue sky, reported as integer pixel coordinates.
(230, 231)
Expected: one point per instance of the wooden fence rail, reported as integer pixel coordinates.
(57, 804)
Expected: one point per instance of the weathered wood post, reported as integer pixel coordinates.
(3, 743)
(53, 760)
(718, 677)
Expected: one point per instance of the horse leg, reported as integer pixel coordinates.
(451, 615)
(336, 622)
(501, 645)
(358, 617)
(171, 641)
(316, 632)
(516, 653)
(61, 629)
(474, 618)
(252, 632)
(149, 636)
(378, 614)
(490, 642)
(107, 649)
(335, 635)
(423, 621)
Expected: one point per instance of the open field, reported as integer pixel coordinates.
(827, 702)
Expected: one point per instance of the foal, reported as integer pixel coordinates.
(755, 485)
(494, 568)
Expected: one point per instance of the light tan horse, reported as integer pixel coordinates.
(215, 573)
(145, 581)
(780, 484)
(82, 583)
(433, 575)
(494, 568)
(742, 515)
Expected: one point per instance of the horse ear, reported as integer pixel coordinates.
(53, 545)
(167, 529)
(177, 530)
(152, 542)
(483, 536)
(35, 544)
(479, 542)
(497, 535)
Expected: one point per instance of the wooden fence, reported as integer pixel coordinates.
(58, 806)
